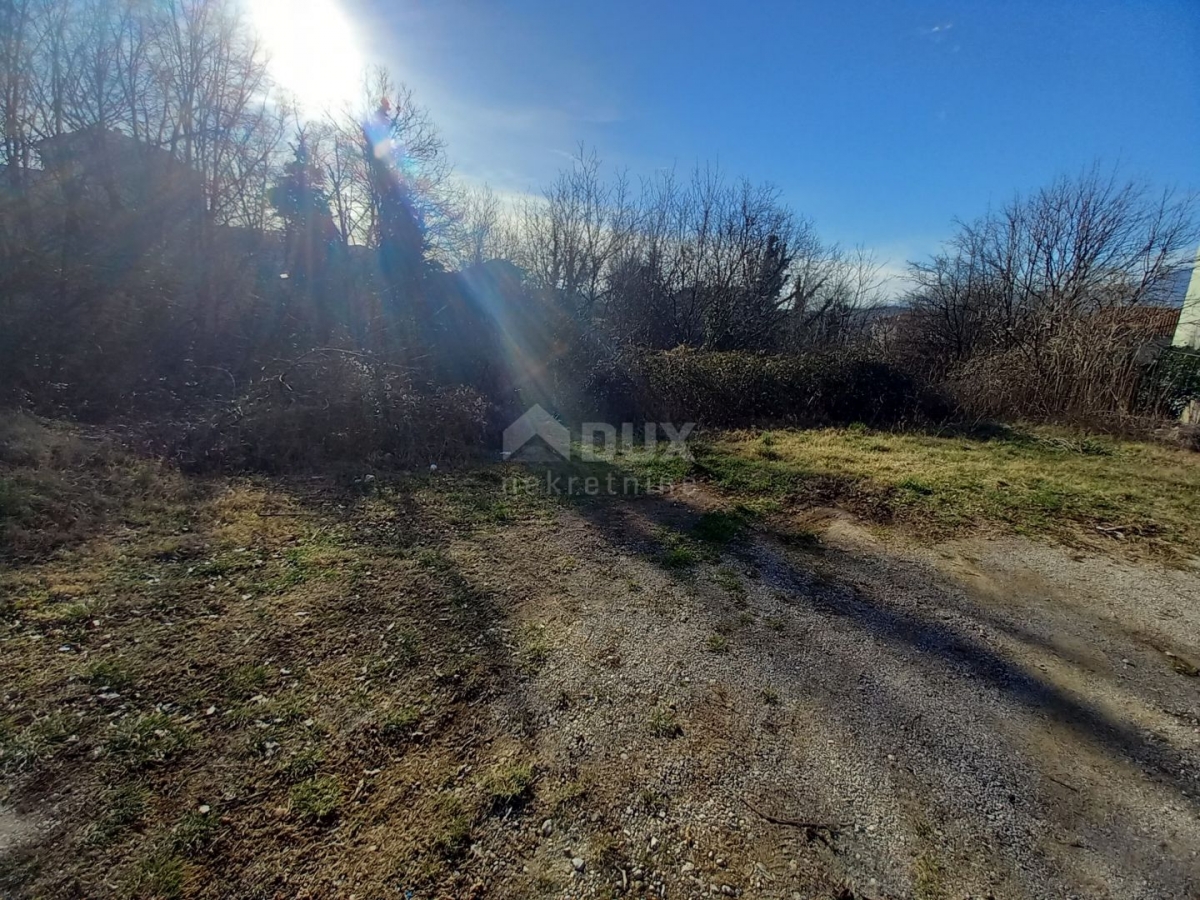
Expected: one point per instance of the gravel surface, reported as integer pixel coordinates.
(859, 717)
(985, 718)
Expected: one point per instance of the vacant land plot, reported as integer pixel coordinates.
(430, 687)
(1036, 482)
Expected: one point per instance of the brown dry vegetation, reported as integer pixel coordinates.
(202, 696)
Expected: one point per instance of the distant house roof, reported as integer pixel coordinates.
(61, 148)
(114, 167)
(1151, 321)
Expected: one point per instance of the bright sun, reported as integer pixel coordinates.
(314, 52)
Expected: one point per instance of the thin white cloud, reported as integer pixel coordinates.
(936, 33)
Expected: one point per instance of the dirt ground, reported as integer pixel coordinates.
(595, 714)
(990, 717)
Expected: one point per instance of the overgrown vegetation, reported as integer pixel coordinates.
(242, 289)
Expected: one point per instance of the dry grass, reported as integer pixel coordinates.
(1035, 482)
(58, 483)
(250, 688)
(223, 686)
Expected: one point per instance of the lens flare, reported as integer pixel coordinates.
(313, 51)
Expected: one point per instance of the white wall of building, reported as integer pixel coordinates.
(1187, 333)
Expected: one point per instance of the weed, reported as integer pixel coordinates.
(108, 674)
(407, 644)
(729, 580)
(38, 742)
(147, 740)
(434, 560)
(719, 527)
(677, 552)
(804, 538)
(316, 799)
(568, 794)
(67, 615)
(677, 558)
(928, 878)
(717, 643)
(304, 764)
(399, 725)
(246, 681)
(194, 832)
(652, 801)
(915, 485)
(509, 784)
(160, 876)
(770, 697)
(535, 649)
(124, 807)
(450, 826)
(663, 724)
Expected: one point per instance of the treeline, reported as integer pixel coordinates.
(1057, 304)
(178, 245)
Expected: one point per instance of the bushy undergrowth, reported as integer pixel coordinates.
(336, 407)
(1174, 382)
(59, 483)
(738, 388)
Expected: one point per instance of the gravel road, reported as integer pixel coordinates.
(991, 717)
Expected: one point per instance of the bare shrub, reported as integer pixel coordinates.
(1050, 306)
(336, 405)
(737, 388)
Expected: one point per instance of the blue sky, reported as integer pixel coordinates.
(880, 119)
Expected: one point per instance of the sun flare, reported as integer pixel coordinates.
(314, 51)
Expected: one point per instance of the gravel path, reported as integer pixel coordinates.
(986, 718)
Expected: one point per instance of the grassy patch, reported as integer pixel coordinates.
(664, 724)
(316, 799)
(450, 827)
(535, 650)
(23, 749)
(1038, 481)
(58, 487)
(194, 832)
(717, 643)
(147, 740)
(109, 674)
(161, 876)
(720, 526)
(509, 784)
(677, 551)
(247, 681)
(285, 641)
(398, 726)
(729, 580)
(121, 809)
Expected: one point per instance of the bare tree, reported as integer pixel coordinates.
(1038, 287)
